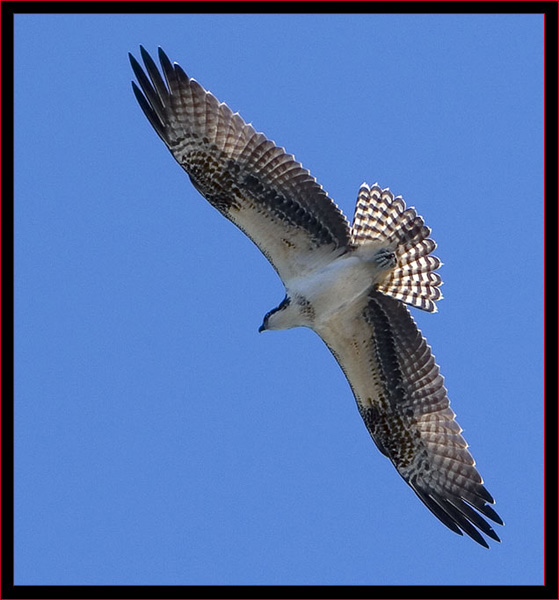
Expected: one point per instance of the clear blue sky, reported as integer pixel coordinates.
(159, 438)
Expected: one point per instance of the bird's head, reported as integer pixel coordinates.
(277, 318)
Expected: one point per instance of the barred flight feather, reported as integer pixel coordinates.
(381, 217)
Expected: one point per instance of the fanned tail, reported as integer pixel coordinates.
(381, 217)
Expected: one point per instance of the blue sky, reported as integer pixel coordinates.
(159, 438)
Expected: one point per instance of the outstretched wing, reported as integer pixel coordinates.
(402, 399)
(249, 179)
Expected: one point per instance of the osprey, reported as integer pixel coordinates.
(349, 283)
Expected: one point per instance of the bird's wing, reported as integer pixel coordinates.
(250, 180)
(402, 399)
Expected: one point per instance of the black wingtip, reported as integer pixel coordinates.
(481, 542)
(162, 55)
(145, 55)
(133, 62)
(164, 60)
(491, 514)
(139, 73)
(150, 92)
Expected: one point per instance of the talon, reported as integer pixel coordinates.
(385, 258)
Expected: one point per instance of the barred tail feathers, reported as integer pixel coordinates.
(380, 216)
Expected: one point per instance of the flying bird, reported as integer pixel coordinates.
(351, 284)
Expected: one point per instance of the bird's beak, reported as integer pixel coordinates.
(261, 328)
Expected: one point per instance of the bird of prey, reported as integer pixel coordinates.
(348, 283)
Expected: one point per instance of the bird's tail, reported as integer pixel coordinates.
(381, 217)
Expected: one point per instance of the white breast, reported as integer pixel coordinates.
(337, 285)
